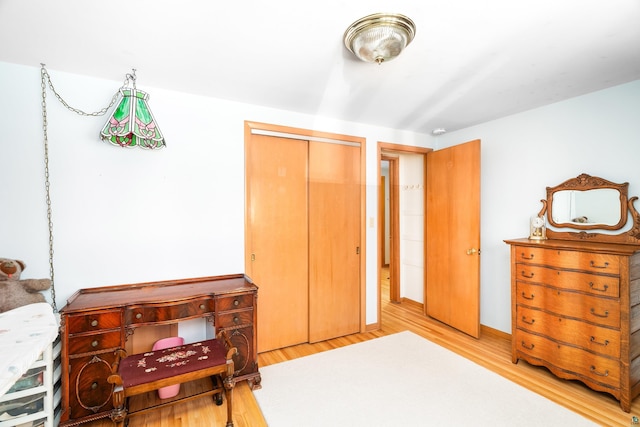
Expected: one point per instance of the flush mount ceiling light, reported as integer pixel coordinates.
(379, 37)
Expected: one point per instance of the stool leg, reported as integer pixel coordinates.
(229, 383)
(119, 412)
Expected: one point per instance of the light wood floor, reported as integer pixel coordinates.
(492, 350)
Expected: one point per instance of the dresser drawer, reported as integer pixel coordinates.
(595, 284)
(237, 318)
(93, 321)
(570, 260)
(595, 368)
(158, 313)
(574, 332)
(602, 311)
(234, 302)
(94, 342)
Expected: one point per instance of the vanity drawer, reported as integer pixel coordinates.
(602, 311)
(89, 390)
(93, 321)
(168, 312)
(597, 339)
(234, 302)
(237, 318)
(595, 284)
(94, 342)
(570, 260)
(596, 368)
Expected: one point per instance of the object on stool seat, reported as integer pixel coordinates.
(144, 372)
(171, 390)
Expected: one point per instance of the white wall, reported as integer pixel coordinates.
(131, 215)
(597, 134)
(411, 177)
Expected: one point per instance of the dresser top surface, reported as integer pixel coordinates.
(156, 292)
(573, 245)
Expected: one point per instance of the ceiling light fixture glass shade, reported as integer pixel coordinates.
(380, 37)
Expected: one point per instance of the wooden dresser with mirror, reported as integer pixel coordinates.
(575, 295)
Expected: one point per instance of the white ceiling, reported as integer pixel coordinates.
(471, 61)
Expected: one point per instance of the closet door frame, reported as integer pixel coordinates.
(251, 128)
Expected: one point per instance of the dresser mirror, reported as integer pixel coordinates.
(589, 204)
(597, 208)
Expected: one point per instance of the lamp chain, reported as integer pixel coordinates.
(47, 185)
(45, 78)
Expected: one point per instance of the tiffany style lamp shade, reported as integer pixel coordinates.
(132, 123)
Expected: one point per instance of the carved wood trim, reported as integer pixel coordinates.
(592, 232)
(586, 182)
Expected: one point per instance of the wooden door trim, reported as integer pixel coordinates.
(396, 148)
(250, 126)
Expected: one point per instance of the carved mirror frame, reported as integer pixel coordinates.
(587, 231)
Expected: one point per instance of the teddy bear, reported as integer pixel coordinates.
(15, 292)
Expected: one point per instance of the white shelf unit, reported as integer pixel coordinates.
(34, 400)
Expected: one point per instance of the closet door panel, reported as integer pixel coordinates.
(334, 239)
(276, 198)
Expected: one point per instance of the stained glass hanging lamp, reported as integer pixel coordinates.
(132, 123)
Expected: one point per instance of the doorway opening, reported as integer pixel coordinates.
(401, 231)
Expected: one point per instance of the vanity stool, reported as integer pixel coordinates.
(140, 373)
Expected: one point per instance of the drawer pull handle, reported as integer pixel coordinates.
(94, 323)
(236, 320)
(600, 374)
(523, 256)
(94, 343)
(201, 306)
(236, 302)
(528, 297)
(605, 343)
(527, 276)
(94, 386)
(528, 347)
(602, 289)
(139, 316)
(593, 264)
(593, 311)
(529, 322)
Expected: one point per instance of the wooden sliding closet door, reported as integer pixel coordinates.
(334, 239)
(277, 238)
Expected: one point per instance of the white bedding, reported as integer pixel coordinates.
(25, 332)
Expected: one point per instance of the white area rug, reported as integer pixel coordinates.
(399, 380)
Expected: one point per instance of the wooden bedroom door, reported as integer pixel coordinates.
(334, 240)
(277, 238)
(453, 237)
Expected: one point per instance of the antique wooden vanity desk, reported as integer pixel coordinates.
(575, 295)
(97, 321)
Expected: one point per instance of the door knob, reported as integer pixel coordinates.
(473, 251)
